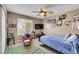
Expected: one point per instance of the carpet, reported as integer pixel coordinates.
(21, 49)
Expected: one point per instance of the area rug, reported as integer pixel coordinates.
(21, 49)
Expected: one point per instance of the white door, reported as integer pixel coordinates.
(0, 30)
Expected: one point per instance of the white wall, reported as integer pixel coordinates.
(3, 29)
(0, 30)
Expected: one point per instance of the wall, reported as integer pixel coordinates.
(62, 30)
(3, 28)
(0, 29)
(12, 18)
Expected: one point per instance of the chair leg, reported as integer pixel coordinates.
(13, 40)
(8, 41)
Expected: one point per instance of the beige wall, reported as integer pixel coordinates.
(12, 18)
(62, 30)
(59, 30)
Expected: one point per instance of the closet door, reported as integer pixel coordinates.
(0, 30)
(3, 31)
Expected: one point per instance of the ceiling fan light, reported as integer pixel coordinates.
(42, 14)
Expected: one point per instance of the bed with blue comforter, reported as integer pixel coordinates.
(58, 43)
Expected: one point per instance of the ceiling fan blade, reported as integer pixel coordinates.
(49, 12)
(36, 11)
(38, 14)
(43, 9)
(48, 17)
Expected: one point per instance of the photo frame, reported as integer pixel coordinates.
(59, 22)
(51, 23)
(67, 23)
(11, 25)
(62, 17)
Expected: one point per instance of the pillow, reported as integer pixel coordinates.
(67, 36)
(71, 38)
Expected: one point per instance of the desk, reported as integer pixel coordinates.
(10, 37)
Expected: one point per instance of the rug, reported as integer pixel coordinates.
(21, 49)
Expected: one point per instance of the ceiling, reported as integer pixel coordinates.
(26, 9)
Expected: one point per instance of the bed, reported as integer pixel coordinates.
(58, 43)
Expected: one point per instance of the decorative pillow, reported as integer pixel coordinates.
(67, 36)
(71, 38)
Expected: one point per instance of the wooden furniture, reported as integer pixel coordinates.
(33, 35)
(10, 37)
(39, 35)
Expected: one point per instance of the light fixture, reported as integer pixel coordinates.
(42, 13)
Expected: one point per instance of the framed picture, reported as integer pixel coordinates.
(51, 23)
(59, 22)
(62, 17)
(67, 23)
(11, 25)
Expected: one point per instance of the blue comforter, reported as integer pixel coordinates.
(58, 43)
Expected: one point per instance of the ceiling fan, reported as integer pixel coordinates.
(44, 12)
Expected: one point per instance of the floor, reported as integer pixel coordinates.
(37, 43)
(34, 48)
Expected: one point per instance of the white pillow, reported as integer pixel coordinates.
(71, 38)
(67, 36)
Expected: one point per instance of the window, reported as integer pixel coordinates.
(24, 26)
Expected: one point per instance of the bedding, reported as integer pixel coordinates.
(58, 43)
(67, 36)
(71, 38)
